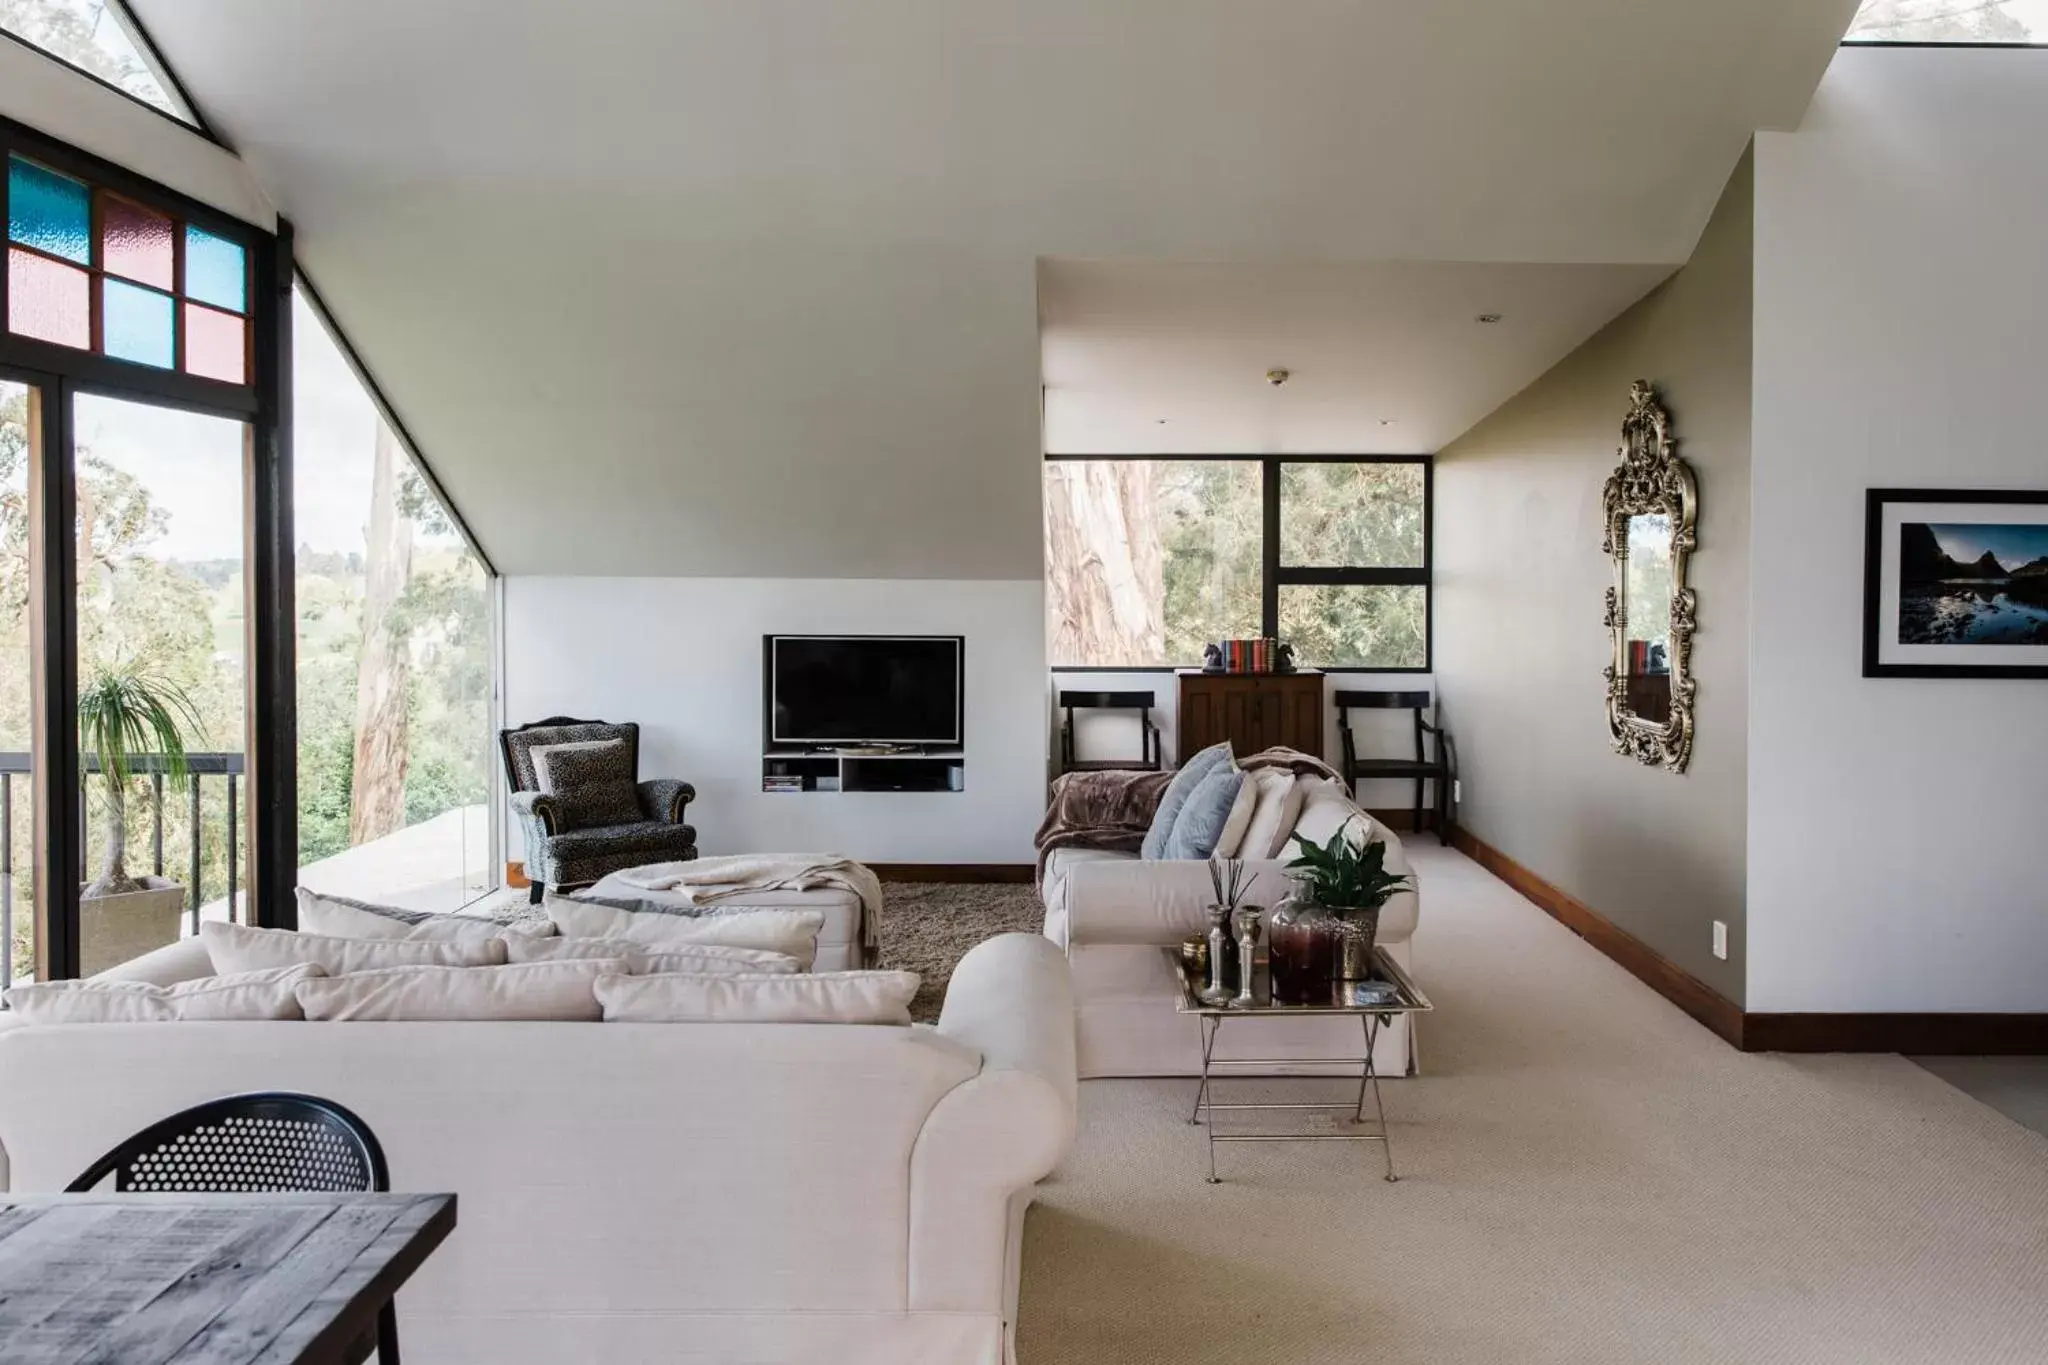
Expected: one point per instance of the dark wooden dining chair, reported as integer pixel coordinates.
(272, 1142)
(1148, 732)
(1434, 761)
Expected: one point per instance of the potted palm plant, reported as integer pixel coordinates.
(125, 713)
(1326, 926)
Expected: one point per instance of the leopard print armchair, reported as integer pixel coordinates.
(560, 857)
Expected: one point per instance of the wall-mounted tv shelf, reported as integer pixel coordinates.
(807, 770)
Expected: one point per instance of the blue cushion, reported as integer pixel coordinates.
(1177, 792)
(1200, 822)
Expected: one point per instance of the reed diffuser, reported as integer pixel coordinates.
(1228, 880)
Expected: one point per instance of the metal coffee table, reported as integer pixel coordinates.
(1347, 998)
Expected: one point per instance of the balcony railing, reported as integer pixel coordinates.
(228, 767)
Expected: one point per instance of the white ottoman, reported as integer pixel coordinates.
(841, 943)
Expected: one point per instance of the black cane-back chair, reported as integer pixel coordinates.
(268, 1143)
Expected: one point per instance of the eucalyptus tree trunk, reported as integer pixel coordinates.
(1105, 583)
(376, 804)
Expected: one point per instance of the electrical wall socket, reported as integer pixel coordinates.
(1457, 791)
(1720, 940)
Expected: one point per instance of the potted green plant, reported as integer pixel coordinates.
(1325, 928)
(125, 713)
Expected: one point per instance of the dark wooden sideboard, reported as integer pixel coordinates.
(1253, 711)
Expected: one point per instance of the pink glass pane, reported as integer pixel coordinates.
(48, 301)
(135, 243)
(215, 345)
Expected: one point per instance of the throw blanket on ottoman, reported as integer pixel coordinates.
(706, 881)
(1113, 810)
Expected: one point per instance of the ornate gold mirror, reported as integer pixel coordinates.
(1651, 506)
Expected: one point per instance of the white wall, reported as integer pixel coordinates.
(1520, 590)
(1380, 735)
(682, 656)
(1895, 826)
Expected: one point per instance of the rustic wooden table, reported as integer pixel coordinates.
(224, 1279)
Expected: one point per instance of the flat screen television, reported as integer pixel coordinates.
(864, 689)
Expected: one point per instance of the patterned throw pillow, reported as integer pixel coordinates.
(592, 784)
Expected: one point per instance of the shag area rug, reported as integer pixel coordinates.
(927, 927)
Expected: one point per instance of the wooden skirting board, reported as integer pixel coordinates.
(515, 873)
(1926, 1034)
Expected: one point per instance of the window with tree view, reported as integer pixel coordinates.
(394, 655)
(1950, 21)
(93, 36)
(1148, 560)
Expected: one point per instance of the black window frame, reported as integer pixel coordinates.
(263, 407)
(1273, 575)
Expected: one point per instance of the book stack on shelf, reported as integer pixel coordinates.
(1259, 655)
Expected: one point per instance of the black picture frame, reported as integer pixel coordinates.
(1875, 618)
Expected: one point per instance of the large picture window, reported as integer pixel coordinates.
(1149, 559)
(139, 455)
(394, 653)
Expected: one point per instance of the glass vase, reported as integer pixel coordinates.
(1304, 944)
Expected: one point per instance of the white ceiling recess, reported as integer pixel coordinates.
(750, 288)
(1382, 358)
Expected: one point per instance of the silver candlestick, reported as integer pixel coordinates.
(1247, 950)
(1217, 992)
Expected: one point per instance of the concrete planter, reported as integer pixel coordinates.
(114, 929)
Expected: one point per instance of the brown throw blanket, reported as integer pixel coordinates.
(1113, 810)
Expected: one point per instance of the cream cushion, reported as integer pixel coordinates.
(791, 932)
(341, 917)
(533, 991)
(1280, 798)
(243, 995)
(1239, 820)
(693, 998)
(638, 957)
(239, 948)
(1327, 809)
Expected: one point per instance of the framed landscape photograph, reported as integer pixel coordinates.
(1955, 584)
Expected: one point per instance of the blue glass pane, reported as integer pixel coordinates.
(48, 211)
(216, 271)
(137, 324)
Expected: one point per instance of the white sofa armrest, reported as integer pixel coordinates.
(1010, 999)
(1162, 902)
(989, 1141)
(1154, 902)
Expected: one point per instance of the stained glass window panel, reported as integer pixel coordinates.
(136, 324)
(216, 345)
(48, 211)
(48, 300)
(216, 270)
(135, 242)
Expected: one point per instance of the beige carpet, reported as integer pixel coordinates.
(1589, 1176)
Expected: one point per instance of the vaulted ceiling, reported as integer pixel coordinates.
(752, 288)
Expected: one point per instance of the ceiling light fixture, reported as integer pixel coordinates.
(1277, 377)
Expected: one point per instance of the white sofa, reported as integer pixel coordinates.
(649, 1192)
(1113, 912)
